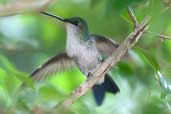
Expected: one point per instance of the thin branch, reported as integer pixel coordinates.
(167, 3)
(120, 52)
(133, 18)
(135, 22)
(160, 35)
(23, 6)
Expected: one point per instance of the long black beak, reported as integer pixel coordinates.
(54, 16)
(59, 18)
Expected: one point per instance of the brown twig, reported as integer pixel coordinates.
(23, 6)
(135, 22)
(161, 36)
(133, 18)
(167, 3)
(120, 52)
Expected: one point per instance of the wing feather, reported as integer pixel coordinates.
(56, 64)
(105, 45)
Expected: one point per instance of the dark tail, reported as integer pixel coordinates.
(108, 86)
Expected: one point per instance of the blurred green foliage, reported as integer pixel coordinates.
(27, 40)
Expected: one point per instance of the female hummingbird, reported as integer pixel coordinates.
(84, 51)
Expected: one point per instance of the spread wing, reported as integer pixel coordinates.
(57, 63)
(105, 45)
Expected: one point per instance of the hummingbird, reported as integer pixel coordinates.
(83, 50)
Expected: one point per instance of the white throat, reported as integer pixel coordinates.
(73, 39)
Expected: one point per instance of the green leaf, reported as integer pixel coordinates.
(24, 78)
(122, 4)
(163, 94)
(94, 2)
(126, 16)
(6, 64)
(12, 71)
(166, 49)
(125, 68)
(166, 87)
(49, 92)
(5, 99)
(149, 57)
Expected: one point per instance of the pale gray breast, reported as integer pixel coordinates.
(87, 58)
(85, 55)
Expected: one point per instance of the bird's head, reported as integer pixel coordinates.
(74, 25)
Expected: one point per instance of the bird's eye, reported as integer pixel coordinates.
(76, 23)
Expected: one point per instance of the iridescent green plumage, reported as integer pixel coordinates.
(82, 25)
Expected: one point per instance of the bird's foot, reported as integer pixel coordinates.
(89, 75)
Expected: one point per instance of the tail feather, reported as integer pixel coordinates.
(99, 93)
(108, 86)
